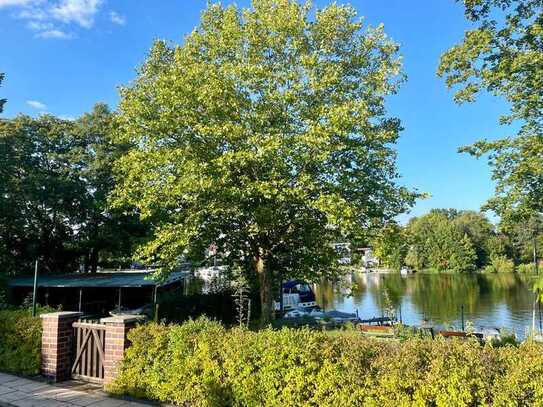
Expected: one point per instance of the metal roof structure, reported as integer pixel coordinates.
(122, 279)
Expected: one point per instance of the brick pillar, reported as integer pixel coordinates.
(56, 344)
(116, 342)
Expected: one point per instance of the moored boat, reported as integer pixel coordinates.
(297, 294)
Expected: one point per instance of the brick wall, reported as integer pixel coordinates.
(56, 344)
(57, 353)
(116, 343)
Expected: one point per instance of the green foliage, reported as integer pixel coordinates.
(538, 289)
(528, 268)
(40, 194)
(391, 246)
(448, 240)
(20, 342)
(56, 175)
(500, 264)
(451, 240)
(502, 55)
(200, 363)
(175, 307)
(3, 291)
(265, 133)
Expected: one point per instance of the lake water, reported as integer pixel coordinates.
(489, 300)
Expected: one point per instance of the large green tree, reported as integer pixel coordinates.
(56, 177)
(104, 234)
(503, 55)
(40, 194)
(442, 240)
(390, 246)
(265, 132)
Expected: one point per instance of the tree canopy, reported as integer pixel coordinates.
(503, 55)
(266, 133)
(459, 241)
(56, 176)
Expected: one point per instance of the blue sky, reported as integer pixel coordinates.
(62, 56)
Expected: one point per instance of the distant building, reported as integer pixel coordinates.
(368, 258)
(344, 251)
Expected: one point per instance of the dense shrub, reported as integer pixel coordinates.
(179, 308)
(218, 305)
(529, 268)
(20, 342)
(3, 291)
(201, 363)
(500, 264)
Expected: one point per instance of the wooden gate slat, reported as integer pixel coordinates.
(88, 362)
(83, 346)
(89, 347)
(79, 349)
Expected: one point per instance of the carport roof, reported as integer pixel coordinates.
(97, 280)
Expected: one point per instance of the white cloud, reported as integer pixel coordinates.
(11, 3)
(81, 12)
(54, 34)
(33, 13)
(56, 18)
(39, 26)
(36, 105)
(116, 18)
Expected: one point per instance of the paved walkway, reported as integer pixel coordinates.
(20, 392)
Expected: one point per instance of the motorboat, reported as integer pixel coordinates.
(297, 294)
(406, 270)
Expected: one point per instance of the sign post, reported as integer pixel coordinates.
(34, 291)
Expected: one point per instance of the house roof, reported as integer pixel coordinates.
(97, 280)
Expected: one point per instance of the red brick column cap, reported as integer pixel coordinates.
(61, 315)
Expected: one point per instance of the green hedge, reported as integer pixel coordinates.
(201, 363)
(20, 342)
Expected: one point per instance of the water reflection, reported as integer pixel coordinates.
(497, 300)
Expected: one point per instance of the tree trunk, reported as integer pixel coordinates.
(265, 282)
(536, 260)
(93, 260)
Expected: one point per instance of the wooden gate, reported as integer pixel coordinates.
(89, 347)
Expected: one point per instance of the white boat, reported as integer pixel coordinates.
(296, 295)
(317, 314)
(406, 270)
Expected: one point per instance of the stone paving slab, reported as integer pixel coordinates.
(21, 392)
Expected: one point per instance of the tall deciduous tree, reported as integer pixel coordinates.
(265, 132)
(40, 194)
(391, 245)
(56, 177)
(102, 231)
(440, 240)
(503, 55)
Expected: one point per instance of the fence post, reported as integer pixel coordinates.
(116, 342)
(56, 344)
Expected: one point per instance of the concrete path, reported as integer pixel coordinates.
(20, 392)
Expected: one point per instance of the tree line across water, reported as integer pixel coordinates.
(460, 241)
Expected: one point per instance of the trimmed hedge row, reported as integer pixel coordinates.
(201, 363)
(20, 342)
